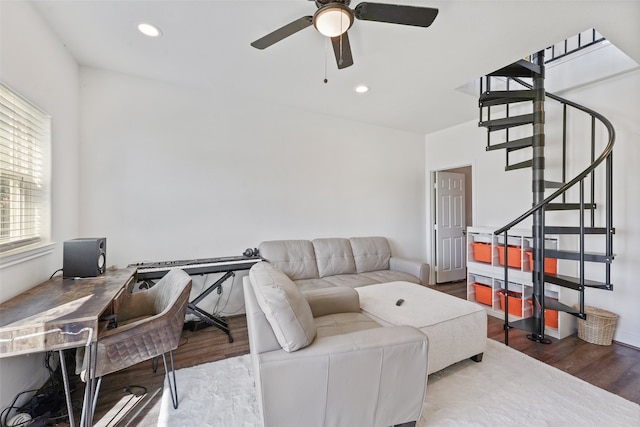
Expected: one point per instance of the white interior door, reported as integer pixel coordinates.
(450, 227)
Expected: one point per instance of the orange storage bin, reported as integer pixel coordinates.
(484, 294)
(515, 304)
(481, 251)
(550, 264)
(514, 253)
(551, 318)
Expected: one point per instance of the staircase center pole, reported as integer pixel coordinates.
(538, 166)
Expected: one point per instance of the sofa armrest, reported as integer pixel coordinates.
(333, 300)
(350, 344)
(415, 268)
(375, 377)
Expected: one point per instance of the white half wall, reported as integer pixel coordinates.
(499, 196)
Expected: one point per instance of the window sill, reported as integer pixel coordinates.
(25, 254)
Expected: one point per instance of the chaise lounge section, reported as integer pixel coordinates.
(318, 361)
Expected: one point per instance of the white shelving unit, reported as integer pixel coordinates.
(485, 278)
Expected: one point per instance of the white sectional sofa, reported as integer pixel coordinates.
(456, 328)
(330, 262)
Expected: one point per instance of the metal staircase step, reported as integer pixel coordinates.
(576, 230)
(554, 304)
(525, 324)
(502, 97)
(553, 184)
(528, 323)
(521, 165)
(569, 206)
(574, 282)
(507, 122)
(515, 144)
(522, 68)
(575, 255)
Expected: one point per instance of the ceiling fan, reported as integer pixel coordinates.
(334, 17)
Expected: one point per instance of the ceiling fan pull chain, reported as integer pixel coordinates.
(326, 53)
(340, 61)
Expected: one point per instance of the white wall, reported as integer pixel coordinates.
(35, 64)
(500, 196)
(171, 174)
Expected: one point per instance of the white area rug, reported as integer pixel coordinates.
(507, 388)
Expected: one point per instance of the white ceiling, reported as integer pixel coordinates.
(413, 72)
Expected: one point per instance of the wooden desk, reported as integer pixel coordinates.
(61, 314)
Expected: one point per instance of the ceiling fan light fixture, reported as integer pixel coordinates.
(333, 19)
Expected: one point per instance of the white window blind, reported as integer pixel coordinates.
(25, 133)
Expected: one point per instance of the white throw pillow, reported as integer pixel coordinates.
(284, 306)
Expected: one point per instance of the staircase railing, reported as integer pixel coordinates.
(573, 44)
(607, 157)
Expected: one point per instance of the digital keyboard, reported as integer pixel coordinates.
(156, 270)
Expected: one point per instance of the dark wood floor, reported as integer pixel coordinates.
(615, 368)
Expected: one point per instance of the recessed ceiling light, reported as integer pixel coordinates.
(361, 89)
(149, 30)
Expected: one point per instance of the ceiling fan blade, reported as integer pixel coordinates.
(396, 14)
(283, 32)
(342, 50)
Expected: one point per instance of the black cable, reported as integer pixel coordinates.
(217, 311)
(3, 421)
(54, 273)
(53, 388)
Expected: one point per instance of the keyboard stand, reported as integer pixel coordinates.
(147, 272)
(208, 318)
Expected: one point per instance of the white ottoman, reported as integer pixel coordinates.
(457, 329)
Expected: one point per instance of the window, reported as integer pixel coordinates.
(25, 136)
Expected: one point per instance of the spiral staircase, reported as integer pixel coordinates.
(512, 109)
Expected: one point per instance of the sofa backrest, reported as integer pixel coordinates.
(334, 256)
(296, 258)
(304, 259)
(370, 253)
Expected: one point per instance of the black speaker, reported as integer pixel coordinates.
(84, 257)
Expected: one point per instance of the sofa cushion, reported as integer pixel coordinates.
(286, 309)
(306, 285)
(355, 280)
(343, 323)
(339, 280)
(296, 258)
(370, 253)
(334, 256)
(385, 276)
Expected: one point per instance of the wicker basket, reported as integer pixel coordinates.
(599, 326)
